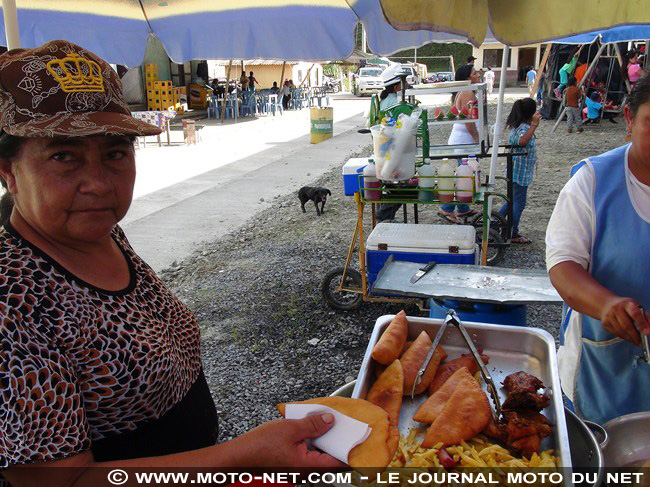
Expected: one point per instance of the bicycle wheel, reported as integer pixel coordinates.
(498, 222)
(495, 253)
(343, 301)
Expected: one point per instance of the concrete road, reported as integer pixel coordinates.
(185, 195)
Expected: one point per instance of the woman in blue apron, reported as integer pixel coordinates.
(597, 255)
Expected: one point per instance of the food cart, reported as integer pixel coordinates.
(345, 288)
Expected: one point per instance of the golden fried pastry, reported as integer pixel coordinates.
(412, 361)
(432, 407)
(374, 451)
(390, 344)
(446, 370)
(386, 393)
(466, 414)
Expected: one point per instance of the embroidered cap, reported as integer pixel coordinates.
(61, 90)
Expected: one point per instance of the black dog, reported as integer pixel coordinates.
(317, 195)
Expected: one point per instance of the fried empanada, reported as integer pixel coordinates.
(386, 393)
(374, 451)
(466, 414)
(432, 407)
(412, 361)
(446, 370)
(390, 344)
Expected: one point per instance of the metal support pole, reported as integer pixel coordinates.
(495, 151)
(11, 24)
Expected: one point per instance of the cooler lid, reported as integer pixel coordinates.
(422, 237)
(355, 165)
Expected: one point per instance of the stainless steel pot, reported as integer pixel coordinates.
(629, 440)
(586, 454)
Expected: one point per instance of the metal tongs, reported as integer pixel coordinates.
(453, 318)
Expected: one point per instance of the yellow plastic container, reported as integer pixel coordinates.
(322, 123)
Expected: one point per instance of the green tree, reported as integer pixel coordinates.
(459, 51)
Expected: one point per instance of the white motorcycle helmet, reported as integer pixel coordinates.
(393, 74)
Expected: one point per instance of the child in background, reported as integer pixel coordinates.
(523, 121)
(572, 97)
(593, 107)
(565, 72)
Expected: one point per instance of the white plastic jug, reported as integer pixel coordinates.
(476, 167)
(465, 184)
(446, 181)
(426, 179)
(370, 181)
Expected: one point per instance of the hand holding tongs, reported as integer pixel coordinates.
(453, 318)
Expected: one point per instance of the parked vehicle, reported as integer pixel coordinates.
(367, 81)
(440, 77)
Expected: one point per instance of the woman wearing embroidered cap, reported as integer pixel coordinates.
(99, 362)
(596, 252)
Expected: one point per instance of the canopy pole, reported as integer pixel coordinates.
(495, 150)
(11, 24)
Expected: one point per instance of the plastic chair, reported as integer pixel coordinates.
(231, 110)
(213, 107)
(275, 104)
(248, 103)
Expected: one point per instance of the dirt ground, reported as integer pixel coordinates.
(269, 337)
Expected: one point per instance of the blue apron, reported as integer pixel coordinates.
(611, 378)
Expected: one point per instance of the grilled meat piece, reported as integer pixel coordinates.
(496, 430)
(521, 389)
(526, 400)
(525, 430)
(521, 382)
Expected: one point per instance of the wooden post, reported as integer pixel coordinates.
(225, 95)
(281, 83)
(541, 67)
(307, 76)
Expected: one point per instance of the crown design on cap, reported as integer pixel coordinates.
(77, 74)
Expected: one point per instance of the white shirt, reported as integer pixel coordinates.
(489, 76)
(570, 231)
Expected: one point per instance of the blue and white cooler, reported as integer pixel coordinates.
(351, 172)
(423, 243)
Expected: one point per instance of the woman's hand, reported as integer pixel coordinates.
(537, 116)
(281, 443)
(624, 317)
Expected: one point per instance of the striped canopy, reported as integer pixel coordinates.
(307, 30)
(514, 22)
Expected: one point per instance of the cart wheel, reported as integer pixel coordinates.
(498, 222)
(495, 253)
(344, 301)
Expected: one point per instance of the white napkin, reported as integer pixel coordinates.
(346, 433)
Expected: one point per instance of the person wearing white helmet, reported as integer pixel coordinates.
(392, 78)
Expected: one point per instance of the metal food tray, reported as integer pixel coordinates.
(510, 348)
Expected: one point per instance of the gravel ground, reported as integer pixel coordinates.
(268, 336)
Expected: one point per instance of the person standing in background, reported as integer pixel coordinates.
(488, 77)
(252, 81)
(243, 80)
(573, 112)
(530, 79)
